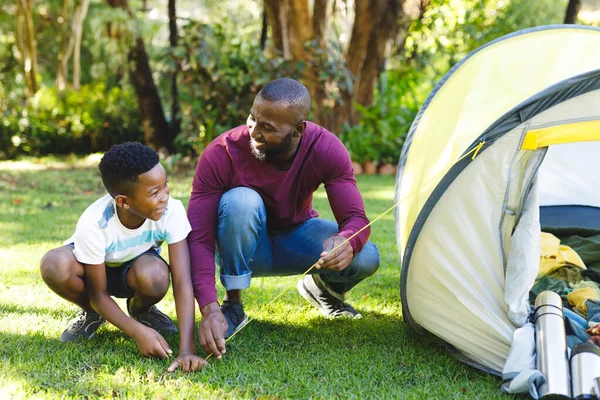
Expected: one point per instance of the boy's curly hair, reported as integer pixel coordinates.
(122, 164)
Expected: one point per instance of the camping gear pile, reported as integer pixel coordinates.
(522, 117)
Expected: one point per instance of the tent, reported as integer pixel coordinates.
(522, 116)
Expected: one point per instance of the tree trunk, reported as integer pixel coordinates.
(26, 45)
(387, 17)
(322, 109)
(276, 12)
(377, 23)
(572, 11)
(77, 28)
(299, 28)
(154, 124)
(392, 19)
(263, 30)
(322, 13)
(175, 127)
(61, 69)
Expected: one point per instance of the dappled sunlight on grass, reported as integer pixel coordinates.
(40, 164)
(289, 350)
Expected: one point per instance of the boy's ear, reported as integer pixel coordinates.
(121, 201)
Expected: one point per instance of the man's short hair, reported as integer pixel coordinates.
(121, 166)
(289, 91)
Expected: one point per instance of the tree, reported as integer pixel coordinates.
(175, 126)
(71, 45)
(377, 27)
(572, 11)
(25, 50)
(154, 123)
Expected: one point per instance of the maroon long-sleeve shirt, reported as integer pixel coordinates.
(228, 163)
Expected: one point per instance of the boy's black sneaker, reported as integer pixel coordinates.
(82, 326)
(235, 316)
(154, 319)
(330, 303)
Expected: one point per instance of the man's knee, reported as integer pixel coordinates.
(239, 202)
(368, 259)
(151, 275)
(58, 266)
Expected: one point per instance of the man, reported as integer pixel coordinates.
(251, 210)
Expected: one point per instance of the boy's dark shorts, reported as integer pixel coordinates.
(116, 284)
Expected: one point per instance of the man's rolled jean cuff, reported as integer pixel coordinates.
(236, 282)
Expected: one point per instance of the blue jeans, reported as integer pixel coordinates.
(245, 248)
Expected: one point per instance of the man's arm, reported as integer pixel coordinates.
(149, 342)
(210, 182)
(348, 208)
(179, 258)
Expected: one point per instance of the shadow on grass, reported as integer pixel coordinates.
(375, 357)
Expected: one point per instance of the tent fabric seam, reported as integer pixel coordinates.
(524, 130)
(578, 86)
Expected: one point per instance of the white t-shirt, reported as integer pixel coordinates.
(101, 237)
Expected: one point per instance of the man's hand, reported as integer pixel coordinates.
(212, 329)
(151, 343)
(187, 362)
(338, 259)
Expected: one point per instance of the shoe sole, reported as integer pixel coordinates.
(240, 326)
(311, 299)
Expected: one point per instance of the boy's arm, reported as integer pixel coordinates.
(179, 258)
(150, 342)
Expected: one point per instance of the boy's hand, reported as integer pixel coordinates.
(151, 343)
(187, 362)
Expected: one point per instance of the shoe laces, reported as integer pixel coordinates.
(79, 321)
(153, 315)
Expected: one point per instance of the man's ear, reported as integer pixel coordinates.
(300, 128)
(122, 201)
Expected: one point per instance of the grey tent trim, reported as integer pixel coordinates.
(409, 137)
(550, 97)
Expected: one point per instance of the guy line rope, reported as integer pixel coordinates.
(474, 151)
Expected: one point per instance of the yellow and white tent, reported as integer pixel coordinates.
(522, 116)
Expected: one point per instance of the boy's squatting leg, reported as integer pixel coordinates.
(63, 274)
(149, 278)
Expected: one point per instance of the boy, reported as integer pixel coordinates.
(115, 252)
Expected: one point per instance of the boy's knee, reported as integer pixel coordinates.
(153, 278)
(57, 265)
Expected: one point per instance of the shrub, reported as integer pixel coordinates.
(89, 120)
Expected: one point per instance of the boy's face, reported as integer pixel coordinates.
(151, 195)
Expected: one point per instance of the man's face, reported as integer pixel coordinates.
(272, 126)
(151, 195)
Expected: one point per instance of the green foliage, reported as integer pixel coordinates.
(221, 74)
(383, 126)
(63, 122)
(448, 31)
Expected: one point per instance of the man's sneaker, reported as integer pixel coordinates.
(235, 316)
(82, 326)
(155, 320)
(330, 303)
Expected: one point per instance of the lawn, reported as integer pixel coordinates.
(288, 351)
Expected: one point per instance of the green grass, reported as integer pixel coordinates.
(288, 351)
